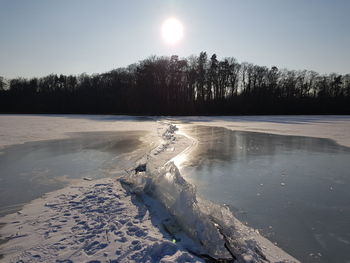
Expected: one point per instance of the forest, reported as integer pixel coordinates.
(197, 85)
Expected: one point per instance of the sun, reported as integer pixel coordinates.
(172, 31)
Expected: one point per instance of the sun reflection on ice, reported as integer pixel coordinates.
(182, 157)
(179, 159)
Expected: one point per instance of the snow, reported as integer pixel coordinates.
(97, 221)
(139, 217)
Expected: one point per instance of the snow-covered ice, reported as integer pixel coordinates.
(91, 222)
(96, 221)
(150, 215)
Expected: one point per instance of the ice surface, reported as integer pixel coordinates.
(100, 220)
(211, 225)
(16, 128)
(333, 127)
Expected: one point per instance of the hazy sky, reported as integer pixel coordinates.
(39, 37)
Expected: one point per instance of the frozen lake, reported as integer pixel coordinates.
(29, 170)
(295, 190)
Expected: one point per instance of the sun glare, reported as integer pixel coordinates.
(172, 31)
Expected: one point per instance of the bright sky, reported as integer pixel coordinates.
(39, 37)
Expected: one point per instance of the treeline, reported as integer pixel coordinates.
(181, 86)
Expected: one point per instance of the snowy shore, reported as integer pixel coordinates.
(150, 215)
